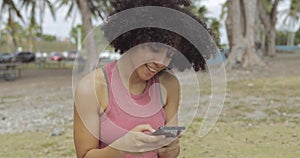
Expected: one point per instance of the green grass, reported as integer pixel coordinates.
(42, 46)
(239, 140)
(288, 86)
(37, 144)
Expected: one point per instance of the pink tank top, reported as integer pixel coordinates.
(125, 110)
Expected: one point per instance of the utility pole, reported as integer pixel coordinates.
(79, 47)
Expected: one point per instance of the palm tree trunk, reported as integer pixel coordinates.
(90, 41)
(12, 31)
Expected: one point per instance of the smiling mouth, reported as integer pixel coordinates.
(151, 69)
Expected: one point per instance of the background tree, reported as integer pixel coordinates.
(74, 33)
(8, 6)
(215, 27)
(297, 39)
(48, 38)
(268, 18)
(20, 36)
(241, 33)
(87, 9)
(291, 20)
(201, 11)
(281, 37)
(90, 43)
(36, 10)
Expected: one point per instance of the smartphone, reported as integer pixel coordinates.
(169, 131)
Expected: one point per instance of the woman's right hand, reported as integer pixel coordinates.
(137, 142)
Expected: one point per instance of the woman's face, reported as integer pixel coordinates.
(149, 59)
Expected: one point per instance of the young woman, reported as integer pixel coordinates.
(117, 107)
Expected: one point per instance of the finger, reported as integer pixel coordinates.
(143, 127)
(146, 138)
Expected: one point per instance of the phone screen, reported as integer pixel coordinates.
(169, 131)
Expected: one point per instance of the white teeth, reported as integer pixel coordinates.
(152, 70)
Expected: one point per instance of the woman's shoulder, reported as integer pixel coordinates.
(91, 87)
(92, 80)
(168, 78)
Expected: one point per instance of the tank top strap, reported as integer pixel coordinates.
(106, 79)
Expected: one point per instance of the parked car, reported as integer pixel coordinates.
(25, 57)
(6, 57)
(57, 57)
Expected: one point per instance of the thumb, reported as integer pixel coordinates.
(143, 127)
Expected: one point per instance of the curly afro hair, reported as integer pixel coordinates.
(138, 36)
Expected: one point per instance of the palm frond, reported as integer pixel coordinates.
(51, 8)
(14, 9)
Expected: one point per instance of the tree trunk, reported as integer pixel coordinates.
(90, 45)
(240, 21)
(30, 39)
(259, 32)
(12, 31)
(292, 38)
(269, 22)
(270, 43)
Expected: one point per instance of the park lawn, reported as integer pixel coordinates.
(238, 139)
(37, 144)
(233, 135)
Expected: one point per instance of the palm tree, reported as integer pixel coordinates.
(8, 6)
(199, 10)
(88, 9)
(36, 8)
(215, 26)
(98, 9)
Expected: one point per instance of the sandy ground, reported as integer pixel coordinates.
(39, 100)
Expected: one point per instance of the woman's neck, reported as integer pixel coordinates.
(127, 72)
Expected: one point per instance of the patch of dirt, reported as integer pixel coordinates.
(39, 100)
(42, 98)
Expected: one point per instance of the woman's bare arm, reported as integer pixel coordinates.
(87, 145)
(172, 90)
(87, 110)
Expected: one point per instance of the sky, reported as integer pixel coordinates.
(61, 27)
